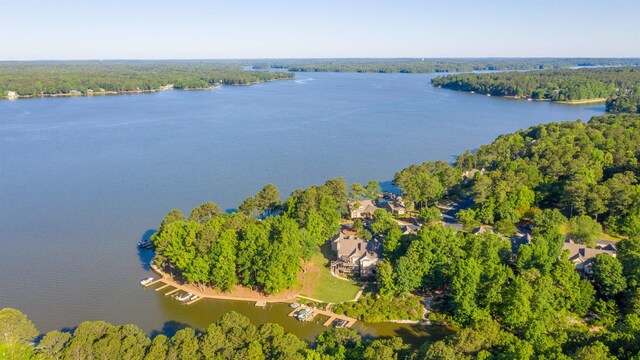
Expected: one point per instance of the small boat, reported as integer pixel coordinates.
(340, 323)
(145, 244)
(183, 297)
(193, 297)
(304, 314)
(294, 305)
(488, 94)
(146, 281)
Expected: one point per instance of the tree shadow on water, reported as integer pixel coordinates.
(145, 255)
(388, 186)
(169, 329)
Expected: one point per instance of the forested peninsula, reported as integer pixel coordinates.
(19, 80)
(620, 85)
(513, 274)
(431, 65)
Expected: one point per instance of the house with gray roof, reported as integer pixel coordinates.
(362, 209)
(583, 256)
(395, 205)
(355, 255)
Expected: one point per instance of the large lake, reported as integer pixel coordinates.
(82, 179)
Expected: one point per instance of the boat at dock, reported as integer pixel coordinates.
(146, 281)
(294, 305)
(145, 244)
(340, 323)
(304, 314)
(183, 297)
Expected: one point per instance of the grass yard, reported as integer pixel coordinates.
(320, 284)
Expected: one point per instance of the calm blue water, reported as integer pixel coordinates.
(82, 179)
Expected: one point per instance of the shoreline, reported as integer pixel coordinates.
(514, 97)
(129, 92)
(582, 101)
(210, 293)
(261, 300)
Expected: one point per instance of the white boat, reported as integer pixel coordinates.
(193, 297)
(145, 244)
(340, 323)
(295, 305)
(146, 281)
(183, 297)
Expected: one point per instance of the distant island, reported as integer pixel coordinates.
(620, 85)
(24, 80)
(433, 65)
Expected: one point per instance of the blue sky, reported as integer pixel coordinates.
(158, 29)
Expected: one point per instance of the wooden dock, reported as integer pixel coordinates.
(172, 292)
(153, 283)
(193, 301)
(162, 287)
(331, 316)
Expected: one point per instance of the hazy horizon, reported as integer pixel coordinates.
(310, 29)
(381, 59)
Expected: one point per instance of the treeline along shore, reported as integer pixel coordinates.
(22, 80)
(79, 78)
(435, 65)
(618, 86)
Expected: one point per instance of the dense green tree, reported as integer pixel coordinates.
(383, 222)
(15, 326)
(184, 345)
(53, 344)
(223, 261)
(204, 212)
(340, 344)
(430, 215)
(173, 216)
(607, 272)
(468, 219)
(356, 191)
(16, 330)
(584, 230)
(372, 190)
(267, 199)
(248, 206)
(595, 351)
(158, 348)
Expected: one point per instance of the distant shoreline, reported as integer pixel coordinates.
(74, 93)
(564, 102)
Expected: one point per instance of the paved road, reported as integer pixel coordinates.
(449, 216)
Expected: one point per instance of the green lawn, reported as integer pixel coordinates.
(327, 287)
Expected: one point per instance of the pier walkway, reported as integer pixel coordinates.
(167, 282)
(331, 316)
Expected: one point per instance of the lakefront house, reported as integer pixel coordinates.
(362, 209)
(355, 255)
